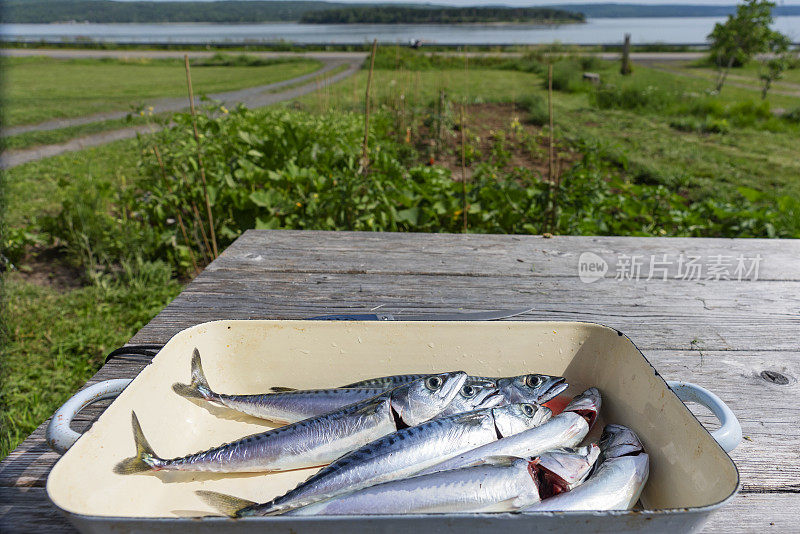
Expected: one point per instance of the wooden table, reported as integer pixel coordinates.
(738, 338)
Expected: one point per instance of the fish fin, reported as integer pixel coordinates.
(225, 504)
(143, 461)
(281, 389)
(199, 388)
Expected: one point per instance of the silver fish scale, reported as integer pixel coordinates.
(481, 488)
(292, 406)
(396, 455)
(294, 446)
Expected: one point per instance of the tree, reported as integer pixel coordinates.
(778, 59)
(742, 36)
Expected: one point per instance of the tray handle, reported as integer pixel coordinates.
(729, 434)
(59, 435)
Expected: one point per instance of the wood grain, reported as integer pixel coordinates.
(719, 334)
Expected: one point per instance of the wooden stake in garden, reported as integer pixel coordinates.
(551, 142)
(365, 147)
(625, 69)
(551, 172)
(199, 158)
(464, 168)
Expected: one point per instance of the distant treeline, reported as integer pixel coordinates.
(228, 11)
(662, 10)
(253, 11)
(438, 15)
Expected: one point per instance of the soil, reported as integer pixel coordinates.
(484, 121)
(48, 267)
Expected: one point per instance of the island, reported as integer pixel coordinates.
(441, 15)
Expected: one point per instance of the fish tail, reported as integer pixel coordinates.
(225, 504)
(145, 459)
(198, 388)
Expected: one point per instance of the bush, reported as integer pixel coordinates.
(567, 77)
(634, 96)
(537, 109)
(241, 60)
(284, 168)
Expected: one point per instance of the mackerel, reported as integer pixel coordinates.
(566, 429)
(496, 484)
(523, 388)
(615, 485)
(291, 406)
(312, 442)
(402, 454)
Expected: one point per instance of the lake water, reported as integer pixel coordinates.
(596, 31)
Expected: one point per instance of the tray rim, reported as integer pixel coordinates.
(655, 512)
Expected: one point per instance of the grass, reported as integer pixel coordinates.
(62, 135)
(57, 341)
(748, 72)
(40, 89)
(419, 87)
(37, 188)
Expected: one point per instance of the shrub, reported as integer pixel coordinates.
(634, 96)
(537, 109)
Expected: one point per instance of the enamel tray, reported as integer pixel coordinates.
(690, 473)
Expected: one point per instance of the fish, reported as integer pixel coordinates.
(563, 470)
(495, 484)
(295, 405)
(472, 397)
(401, 454)
(311, 442)
(283, 408)
(617, 482)
(523, 388)
(566, 429)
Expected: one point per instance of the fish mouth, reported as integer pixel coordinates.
(618, 441)
(552, 388)
(492, 399)
(547, 482)
(587, 405)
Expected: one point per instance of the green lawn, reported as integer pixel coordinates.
(57, 341)
(747, 75)
(40, 89)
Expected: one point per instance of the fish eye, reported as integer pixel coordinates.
(528, 409)
(469, 391)
(533, 381)
(433, 382)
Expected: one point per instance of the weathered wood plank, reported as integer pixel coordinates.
(767, 458)
(655, 315)
(486, 255)
(30, 510)
(754, 512)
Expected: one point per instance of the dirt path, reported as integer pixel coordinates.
(253, 97)
(228, 98)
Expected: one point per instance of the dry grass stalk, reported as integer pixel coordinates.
(364, 146)
(200, 159)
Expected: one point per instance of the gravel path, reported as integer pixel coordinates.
(253, 97)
